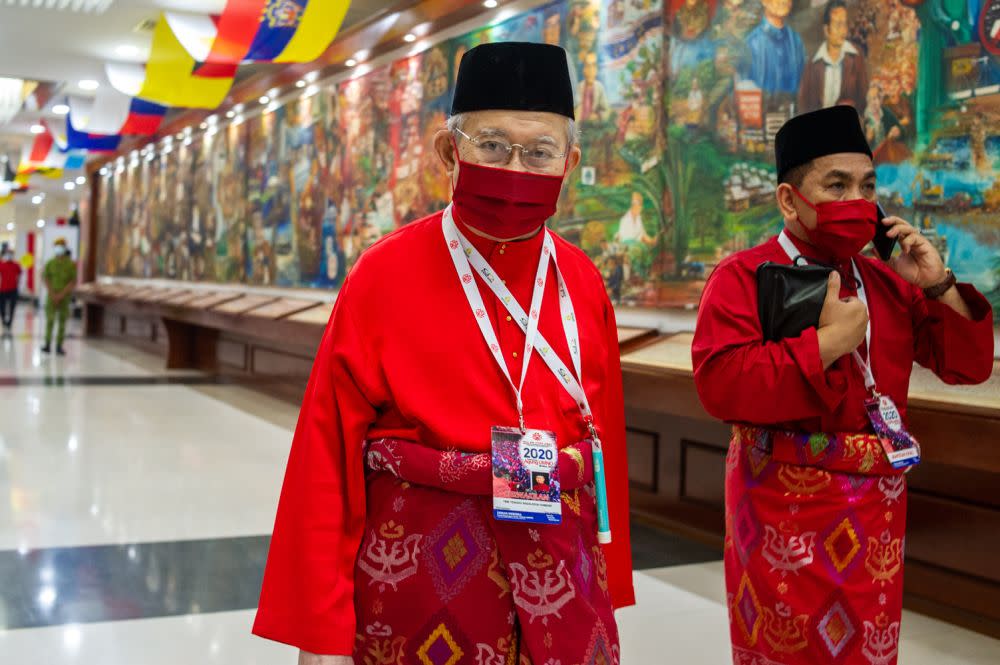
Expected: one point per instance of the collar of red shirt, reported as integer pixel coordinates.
(528, 249)
(811, 251)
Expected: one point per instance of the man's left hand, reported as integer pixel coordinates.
(920, 263)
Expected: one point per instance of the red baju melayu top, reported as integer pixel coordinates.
(783, 385)
(403, 357)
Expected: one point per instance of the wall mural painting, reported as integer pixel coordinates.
(677, 102)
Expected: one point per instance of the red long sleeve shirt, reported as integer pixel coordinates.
(10, 271)
(740, 378)
(403, 357)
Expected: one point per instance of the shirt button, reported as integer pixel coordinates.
(502, 252)
(515, 354)
(510, 318)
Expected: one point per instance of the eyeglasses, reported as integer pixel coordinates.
(496, 151)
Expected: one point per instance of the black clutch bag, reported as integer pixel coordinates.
(790, 297)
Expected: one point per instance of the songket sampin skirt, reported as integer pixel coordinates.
(439, 581)
(814, 549)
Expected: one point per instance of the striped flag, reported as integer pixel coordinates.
(110, 112)
(193, 59)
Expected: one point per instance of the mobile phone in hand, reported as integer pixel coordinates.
(882, 242)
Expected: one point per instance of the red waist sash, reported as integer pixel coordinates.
(857, 453)
(465, 473)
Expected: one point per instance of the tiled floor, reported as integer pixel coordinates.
(137, 505)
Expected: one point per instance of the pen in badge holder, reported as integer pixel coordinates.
(600, 487)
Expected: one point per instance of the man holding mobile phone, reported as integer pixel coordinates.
(815, 492)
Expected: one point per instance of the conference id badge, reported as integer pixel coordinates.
(526, 476)
(901, 449)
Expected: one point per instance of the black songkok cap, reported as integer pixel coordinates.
(816, 134)
(514, 76)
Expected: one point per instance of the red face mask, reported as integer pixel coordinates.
(504, 203)
(843, 228)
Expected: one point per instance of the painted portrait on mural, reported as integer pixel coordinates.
(677, 105)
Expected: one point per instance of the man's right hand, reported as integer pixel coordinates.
(306, 658)
(842, 323)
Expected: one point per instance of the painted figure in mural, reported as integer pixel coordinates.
(777, 55)
(592, 104)
(838, 73)
(815, 509)
(692, 39)
(552, 34)
(385, 541)
(884, 131)
(695, 105)
(631, 230)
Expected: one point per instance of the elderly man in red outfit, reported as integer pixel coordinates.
(815, 492)
(448, 335)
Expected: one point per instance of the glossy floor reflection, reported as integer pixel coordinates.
(135, 508)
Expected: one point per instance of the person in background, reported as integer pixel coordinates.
(815, 484)
(10, 273)
(59, 276)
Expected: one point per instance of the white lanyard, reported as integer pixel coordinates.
(865, 365)
(465, 256)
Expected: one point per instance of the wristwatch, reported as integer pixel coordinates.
(938, 290)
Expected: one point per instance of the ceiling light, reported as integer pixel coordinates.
(127, 51)
(311, 77)
(180, 135)
(10, 226)
(187, 141)
(81, 180)
(410, 38)
(37, 129)
(40, 224)
(273, 93)
(264, 99)
(104, 170)
(310, 91)
(490, 4)
(60, 109)
(231, 114)
(212, 119)
(89, 84)
(238, 108)
(69, 186)
(37, 199)
(204, 125)
(301, 83)
(351, 62)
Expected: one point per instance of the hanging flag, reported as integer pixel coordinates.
(144, 118)
(45, 157)
(193, 58)
(169, 76)
(251, 31)
(91, 142)
(13, 92)
(110, 112)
